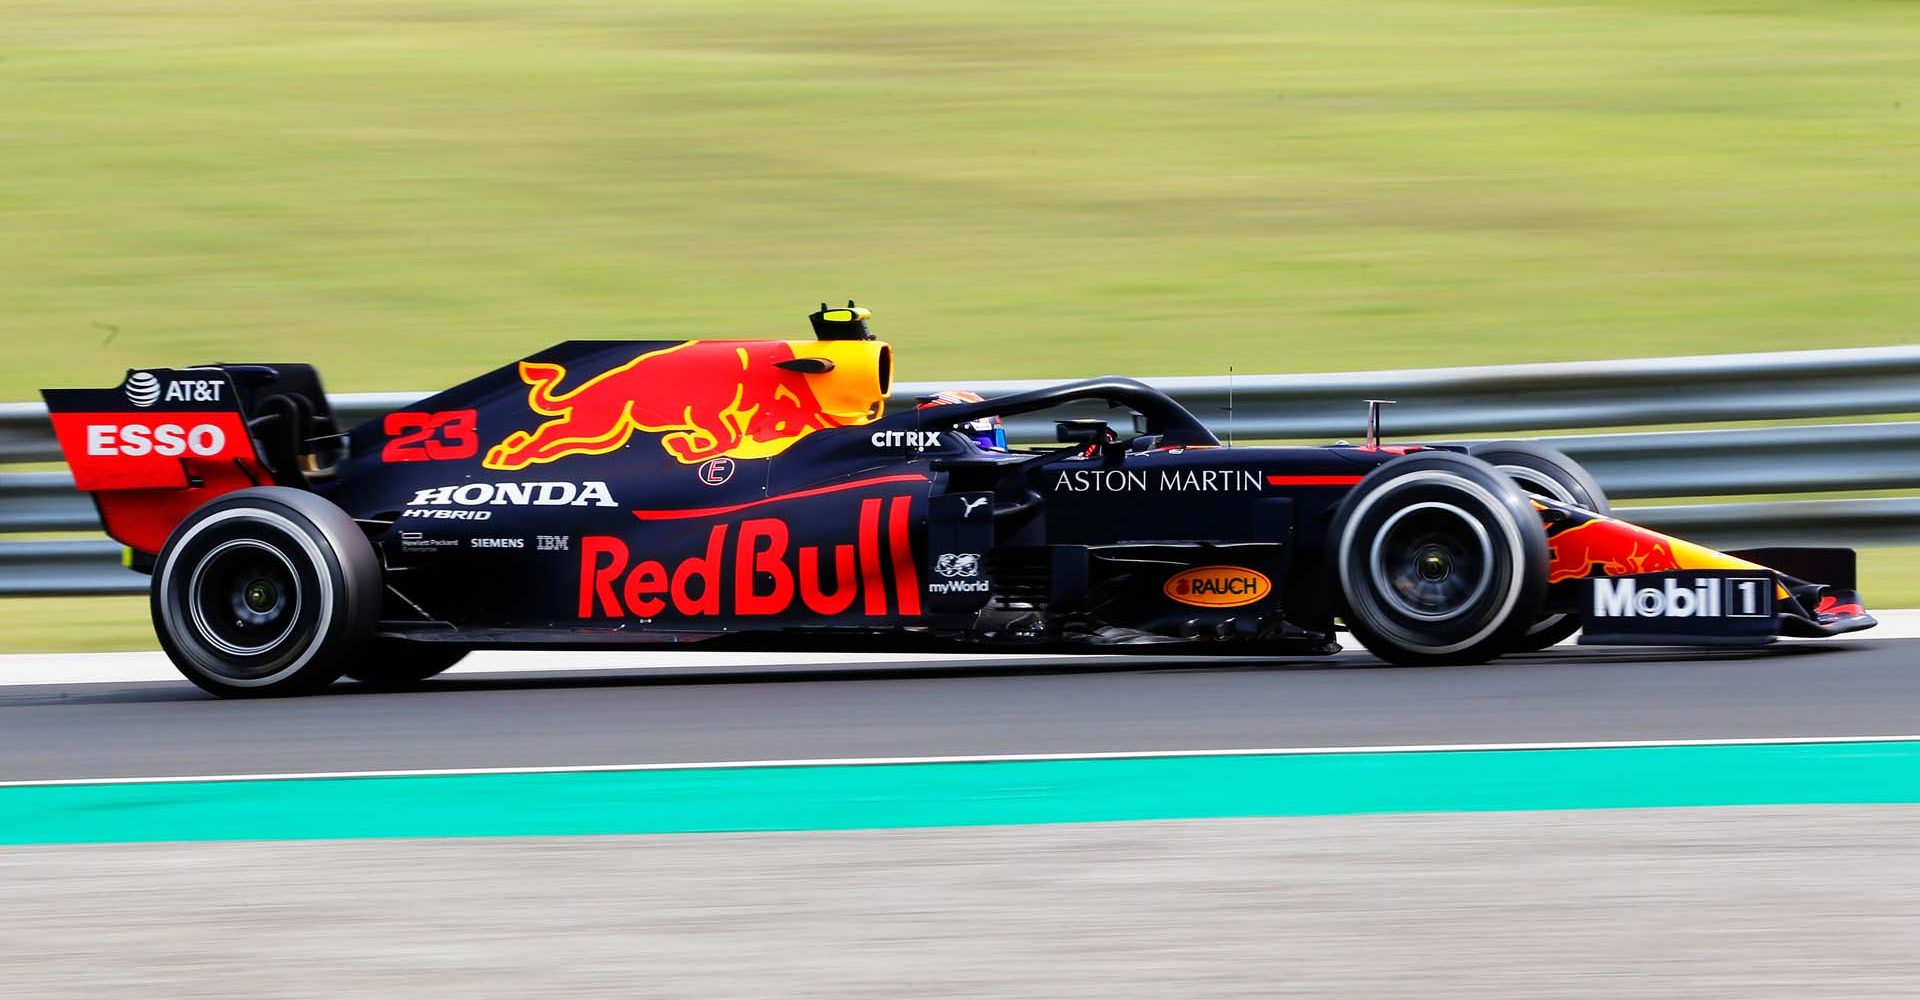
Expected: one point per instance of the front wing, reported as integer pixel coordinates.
(1636, 586)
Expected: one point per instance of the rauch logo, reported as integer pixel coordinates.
(1218, 586)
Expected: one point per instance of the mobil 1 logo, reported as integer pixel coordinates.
(1708, 607)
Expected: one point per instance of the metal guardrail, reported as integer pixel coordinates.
(1828, 458)
(84, 567)
(1435, 403)
(1890, 521)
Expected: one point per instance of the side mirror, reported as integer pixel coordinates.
(1083, 431)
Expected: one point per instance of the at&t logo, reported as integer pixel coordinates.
(143, 390)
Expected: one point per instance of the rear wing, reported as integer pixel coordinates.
(166, 440)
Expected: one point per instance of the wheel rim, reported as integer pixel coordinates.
(1434, 561)
(182, 617)
(244, 597)
(1357, 579)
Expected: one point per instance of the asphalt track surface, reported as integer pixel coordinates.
(976, 707)
(1673, 904)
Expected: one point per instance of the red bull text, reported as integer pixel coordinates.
(753, 569)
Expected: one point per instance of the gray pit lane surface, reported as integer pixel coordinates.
(1865, 688)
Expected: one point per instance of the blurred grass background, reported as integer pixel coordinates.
(410, 191)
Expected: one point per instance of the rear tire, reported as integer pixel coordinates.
(265, 592)
(396, 665)
(1549, 473)
(1440, 559)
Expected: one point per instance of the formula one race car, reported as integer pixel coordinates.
(761, 494)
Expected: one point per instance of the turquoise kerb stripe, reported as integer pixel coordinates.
(833, 797)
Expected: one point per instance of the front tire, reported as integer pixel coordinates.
(1548, 473)
(264, 592)
(1440, 559)
(1545, 472)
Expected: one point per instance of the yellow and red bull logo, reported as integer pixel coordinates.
(707, 399)
(1616, 548)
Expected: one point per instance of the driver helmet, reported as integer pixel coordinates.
(987, 432)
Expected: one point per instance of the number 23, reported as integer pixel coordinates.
(430, 437)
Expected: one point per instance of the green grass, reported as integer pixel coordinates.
(409, 191)
(101, 624)
(1888, 578)
(74, 624)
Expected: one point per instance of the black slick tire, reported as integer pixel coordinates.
(1439, 558)
(1549, 473)
(265, 592)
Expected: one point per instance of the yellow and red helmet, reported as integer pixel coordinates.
(987, 432)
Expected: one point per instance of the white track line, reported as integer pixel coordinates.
(967, 759)
(140, 667)
(131, 668)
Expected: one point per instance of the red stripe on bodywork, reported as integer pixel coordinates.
(671, 515)
(1313, 480)
(899, 540)
(872, 587)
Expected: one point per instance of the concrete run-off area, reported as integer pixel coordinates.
(1752, 902)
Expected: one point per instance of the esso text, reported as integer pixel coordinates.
(166, 440)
